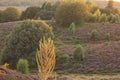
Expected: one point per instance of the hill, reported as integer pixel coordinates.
(101, 55)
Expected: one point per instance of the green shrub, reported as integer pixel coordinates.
(23, 66)
(23, 41)
(11, 14)
(63, 61)
(95, 35)
(108, 36)
(70, 11)
(79, 53)
(64, 58)
(1, 15)
(117, 18)
(30, 12)
(103, 18)
(92, 18)
(45, 14)
(72, 28)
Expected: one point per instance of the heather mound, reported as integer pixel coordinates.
(7, 74)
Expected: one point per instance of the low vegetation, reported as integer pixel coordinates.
(85, 38)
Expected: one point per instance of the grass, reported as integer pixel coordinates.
(90, 76)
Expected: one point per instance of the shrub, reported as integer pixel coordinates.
(64, 58)
(1, 15)
(95, 35)
(30, 12)
(63, 61)
(45, 14)
(103, 18)
(72, 28)
(97, 14)
(23, 66)
(70, 11)
(23, 41)
(108, 36)
(79, 53)
(117, 20)
(11, 14)
(92, 18)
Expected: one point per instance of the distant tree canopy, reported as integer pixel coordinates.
(111, 4)
(90, 4)
(30, 12)
(71, 11)
(110, 8)
(11, 14)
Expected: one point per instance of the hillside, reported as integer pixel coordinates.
(101, 55)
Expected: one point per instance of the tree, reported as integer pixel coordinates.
(111, 4)
(70, 11)
(111, 8)
(23, 41)
(45, 58)
(89, 4)
(11, 14)
(30, 12)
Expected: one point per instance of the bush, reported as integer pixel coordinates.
(23, 41)
(79, 53)
(63, 61)
(108, 36)
(97, 14)
(1, 15)
(11, 14)
(30, 12)
(45, 14)
(23, 66)
(103, 18)
(64, 58)
(70, 11)
(95, 35)
(92, 18)
(72, 28)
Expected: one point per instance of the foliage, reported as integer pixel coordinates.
(97, 14)
(23, 66)
(72, 28)
(64, 58)
(103, 18)
(111, 9)
(47, 5)
(70, 11)
(1, 15)
(92, 18)
(79, 53)
(45, 58)
(90, 4)
(11, 14)
(23, 41)
(111, 4)
(95, 35)
(108, 36)
(30, 12)
(45, 14)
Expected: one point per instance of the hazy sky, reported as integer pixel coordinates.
(117, 0)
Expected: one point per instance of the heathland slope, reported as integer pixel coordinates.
(101, 55)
